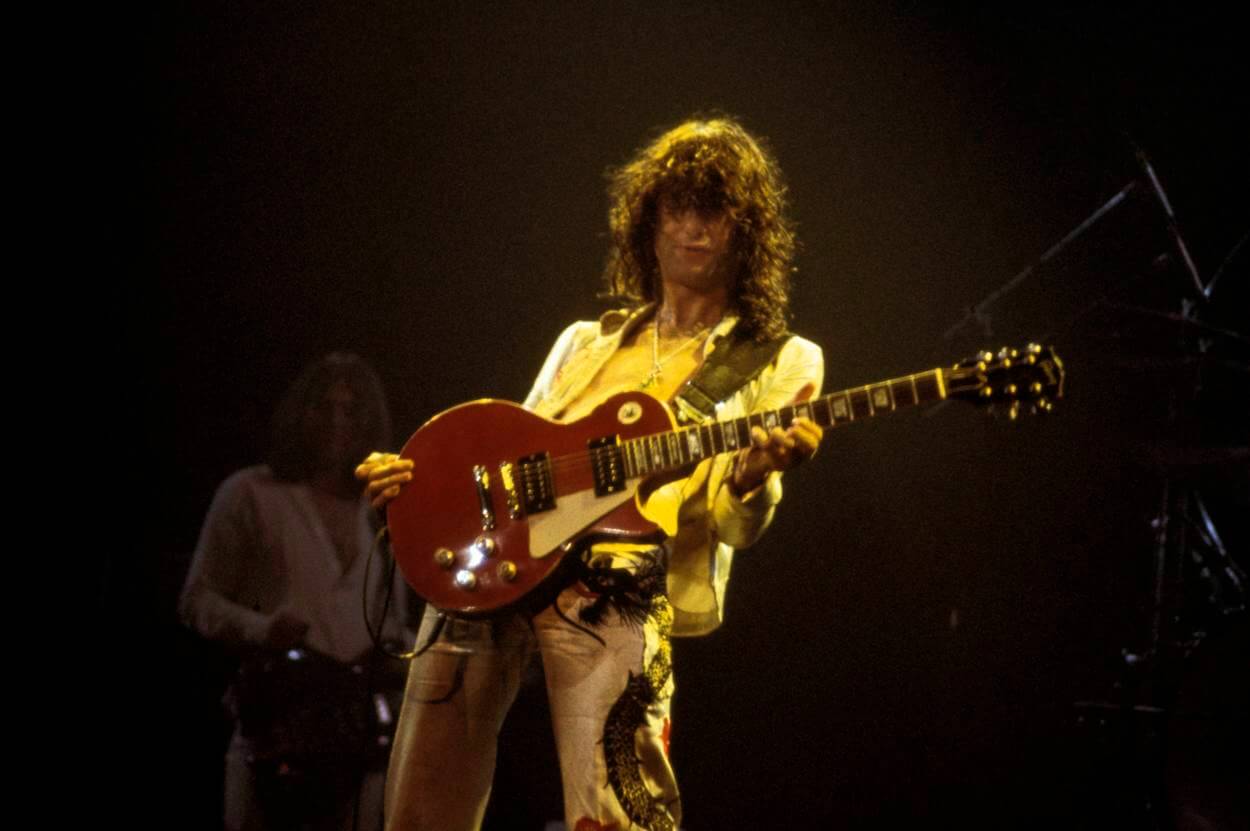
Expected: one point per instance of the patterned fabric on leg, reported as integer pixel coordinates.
(610, 684)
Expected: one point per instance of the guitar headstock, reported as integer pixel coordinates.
(1030, 378)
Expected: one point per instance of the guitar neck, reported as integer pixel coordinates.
(648, 455)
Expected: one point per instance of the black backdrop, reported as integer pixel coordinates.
(423, 184)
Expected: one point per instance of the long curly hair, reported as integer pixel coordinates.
(711, 164)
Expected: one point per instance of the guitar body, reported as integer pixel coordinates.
(499, 495)
(470, 544)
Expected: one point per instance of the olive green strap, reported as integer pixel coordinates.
(735, 361)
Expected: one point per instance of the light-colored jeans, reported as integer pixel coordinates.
(609, 694)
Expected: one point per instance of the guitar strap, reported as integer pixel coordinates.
(735, 361)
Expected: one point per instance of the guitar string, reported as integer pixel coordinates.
(579, 458)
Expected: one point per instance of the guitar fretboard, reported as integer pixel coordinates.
(647, 455)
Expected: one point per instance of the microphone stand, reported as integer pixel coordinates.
(980, 312)
(1182, 531)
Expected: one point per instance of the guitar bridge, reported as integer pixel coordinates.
(509, 489)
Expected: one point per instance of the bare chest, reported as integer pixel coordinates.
(632, 367)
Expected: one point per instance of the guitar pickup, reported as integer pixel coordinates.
(607, 465)
(537, 488)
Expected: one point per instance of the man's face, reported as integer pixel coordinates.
(334, 426)
(692, 245)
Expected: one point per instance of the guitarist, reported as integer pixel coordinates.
(701, 249)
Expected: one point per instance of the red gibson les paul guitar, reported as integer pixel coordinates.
(499, 495)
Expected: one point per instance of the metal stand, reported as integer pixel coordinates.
(1197, 589)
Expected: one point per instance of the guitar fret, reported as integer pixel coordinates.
(861, 407)
(901, 393)
(742, 431)
(842, 408)
(709, 439)
(828, 420)
(927, 386)
(694, 444)
(880, 397)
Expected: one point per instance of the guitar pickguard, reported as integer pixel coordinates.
(550, 530)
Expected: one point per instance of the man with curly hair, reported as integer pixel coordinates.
(701, 252)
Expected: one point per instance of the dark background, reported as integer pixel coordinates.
(423, 184)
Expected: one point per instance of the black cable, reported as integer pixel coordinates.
(375, 635)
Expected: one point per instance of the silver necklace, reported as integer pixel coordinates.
(657, 363)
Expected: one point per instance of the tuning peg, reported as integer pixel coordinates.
(1013, 412)
(1010, 390)
(1045, 405)
(986, 392)
(986, 356)
(1036, 387)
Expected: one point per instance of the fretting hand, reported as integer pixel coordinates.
(777, 450)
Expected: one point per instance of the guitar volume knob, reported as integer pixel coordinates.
(445, 557)
(485, 545)
(507, 571)
(466, 580)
